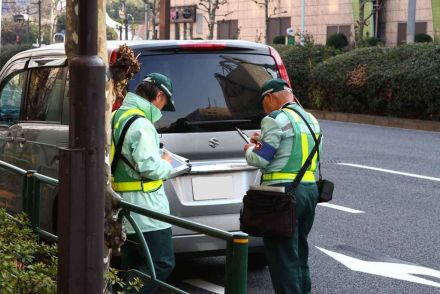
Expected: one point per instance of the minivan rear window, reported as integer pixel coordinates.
(212, 91)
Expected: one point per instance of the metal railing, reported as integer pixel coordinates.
(236, 243)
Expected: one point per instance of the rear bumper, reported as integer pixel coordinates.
(202, 245)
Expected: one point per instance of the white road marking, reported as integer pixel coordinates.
(399, 271)
(391, 171)
(206, 286)
(342, 208)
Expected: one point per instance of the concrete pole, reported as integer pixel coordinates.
(303, 8)
(411, 25)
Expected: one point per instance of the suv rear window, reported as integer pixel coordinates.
(212, 91)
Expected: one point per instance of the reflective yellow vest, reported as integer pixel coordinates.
(121, 179)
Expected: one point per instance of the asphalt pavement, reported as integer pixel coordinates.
(380, 234)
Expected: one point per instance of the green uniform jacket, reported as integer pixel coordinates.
(275, 146)
(141, 148)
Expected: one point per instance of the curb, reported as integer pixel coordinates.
(414, 124)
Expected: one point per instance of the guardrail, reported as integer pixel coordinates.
(236, 243)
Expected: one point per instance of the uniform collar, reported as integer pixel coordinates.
(288, 104)
(131, 100)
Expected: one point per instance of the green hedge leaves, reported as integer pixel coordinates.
(401, 82)
(26, 266)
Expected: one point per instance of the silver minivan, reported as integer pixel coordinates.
(217, 88)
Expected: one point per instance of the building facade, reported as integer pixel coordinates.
(245, 19)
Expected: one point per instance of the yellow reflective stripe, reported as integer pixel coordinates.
(241, 241)
(136, 186)
(315, 158)
(128, 113)
(296, 117)
(308, 176)
(304, 147)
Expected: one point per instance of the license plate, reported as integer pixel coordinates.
(209, 188)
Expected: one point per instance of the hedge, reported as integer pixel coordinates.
(401, 82)
(337, 41)
(300, 61)
(26, 266)
(7, 51)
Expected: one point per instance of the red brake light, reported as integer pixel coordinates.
(202, 46)
(114, 56)
(283, 72)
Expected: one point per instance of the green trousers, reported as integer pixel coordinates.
(287, 257)
(161, 250)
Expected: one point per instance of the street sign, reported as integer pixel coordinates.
(183, 14)
(22, 2)
(290, 32)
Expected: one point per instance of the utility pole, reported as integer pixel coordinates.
(411, 25)
(1, 9)
(39, 23)
(146, 11)
(81, 171)
(303, 4)
(164, 26)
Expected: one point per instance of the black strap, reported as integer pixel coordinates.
(309, 159)
(118, 149)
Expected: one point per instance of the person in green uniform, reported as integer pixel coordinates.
(279, 151)
(139, 174)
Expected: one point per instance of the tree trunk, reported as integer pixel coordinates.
(361, 19)
(71, 39)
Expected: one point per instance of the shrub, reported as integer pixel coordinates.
(281, 40)
(337, 41)
(401, 82)
(111, 34)
(300, 61)
(422, 38)
(8, 51)
(26, 266)
(372, 41)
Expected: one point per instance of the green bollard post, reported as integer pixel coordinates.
(237, 264)
(35, 208)
(28, 189)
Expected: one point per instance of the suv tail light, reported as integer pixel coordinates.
(283, 72)
(113, 56)
(202, 46)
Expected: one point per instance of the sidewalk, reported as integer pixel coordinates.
(415, 124)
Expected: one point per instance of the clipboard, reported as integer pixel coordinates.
(243, 135)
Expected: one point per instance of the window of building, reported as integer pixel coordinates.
(277, 27)
(10, 99)
(421, 28)
(344, 29)
(227, 29)
(46, 93)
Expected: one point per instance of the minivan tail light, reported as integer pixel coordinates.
(202, 46)
(282, 69)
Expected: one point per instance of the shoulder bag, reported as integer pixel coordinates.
(271, 213)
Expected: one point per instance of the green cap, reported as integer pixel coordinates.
(273, 86)
(163, 83)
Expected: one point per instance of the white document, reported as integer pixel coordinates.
(180, 164)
